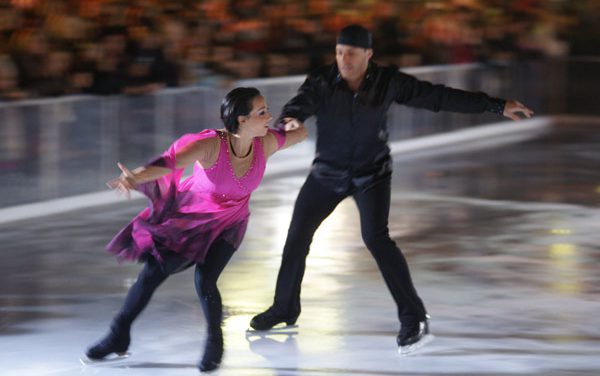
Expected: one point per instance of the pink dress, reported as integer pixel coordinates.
(187, 216)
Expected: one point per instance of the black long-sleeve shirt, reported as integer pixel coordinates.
(352, 135)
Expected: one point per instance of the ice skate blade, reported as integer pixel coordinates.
(410, 349)
(276, 329)
(109, 359)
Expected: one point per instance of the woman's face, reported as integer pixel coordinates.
(256, 123)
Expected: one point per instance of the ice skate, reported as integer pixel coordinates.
(213, 353)
(414, 337)
(268, 320)
(112, 347)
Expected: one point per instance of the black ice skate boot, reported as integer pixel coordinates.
(213, 349)
(268, 319)
(213, 352)
(116, 341)
(413, 336)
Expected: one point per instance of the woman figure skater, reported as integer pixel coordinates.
(199, 221)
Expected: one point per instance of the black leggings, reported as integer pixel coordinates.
(205, 279)
(314, 203)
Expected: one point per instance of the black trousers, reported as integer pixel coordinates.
(205, 280)
(314, 203)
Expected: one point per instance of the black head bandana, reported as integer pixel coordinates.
(355, 35)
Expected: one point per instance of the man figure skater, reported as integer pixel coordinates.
(350, 100)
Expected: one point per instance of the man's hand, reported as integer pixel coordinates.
(511, 108)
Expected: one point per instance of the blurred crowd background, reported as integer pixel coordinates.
(135, 47)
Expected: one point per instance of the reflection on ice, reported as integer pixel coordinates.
(503, 245)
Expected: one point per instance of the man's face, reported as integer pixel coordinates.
(352, 61)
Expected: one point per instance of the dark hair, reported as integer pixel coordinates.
(238, 102)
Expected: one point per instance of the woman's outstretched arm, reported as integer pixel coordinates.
(202, 151)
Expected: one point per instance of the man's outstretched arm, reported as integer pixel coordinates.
(422, 94)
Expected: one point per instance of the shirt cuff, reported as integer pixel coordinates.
(496, 106)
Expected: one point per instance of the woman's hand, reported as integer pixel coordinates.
(124, 183)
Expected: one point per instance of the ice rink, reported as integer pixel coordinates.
(502, 235)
